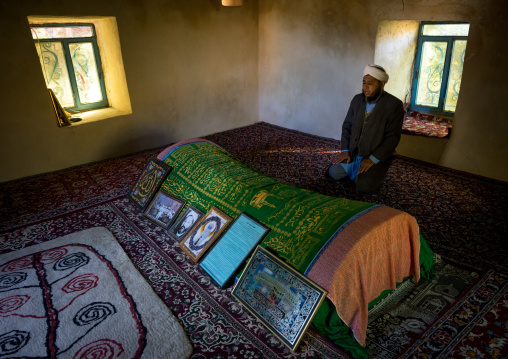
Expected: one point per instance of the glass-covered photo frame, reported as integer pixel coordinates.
(279, 296)
(164, 209)
(229, 253)
(204, 233)
(184, 223)
(148, 182)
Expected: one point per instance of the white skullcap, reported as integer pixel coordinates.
(377, 72)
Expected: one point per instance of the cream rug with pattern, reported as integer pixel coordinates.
(80, 296)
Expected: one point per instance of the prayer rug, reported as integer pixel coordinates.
(474, 327)
(79, 296)
(401, 317)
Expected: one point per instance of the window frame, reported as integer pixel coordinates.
(439, 110)
(78, 106)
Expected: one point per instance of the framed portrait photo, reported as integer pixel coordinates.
(204, 233)
(184, 223)
(149, 181)
(279, 296)
(164, 208)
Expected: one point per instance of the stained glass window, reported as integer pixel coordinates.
(445, 30)
(55, 71)
(61, 32)
(85, 70)
(438, 67)
(431, 73)
(71, 65)
(452, 91)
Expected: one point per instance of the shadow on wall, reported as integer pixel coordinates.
(153, 140)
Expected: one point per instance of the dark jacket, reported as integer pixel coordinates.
(382, 131)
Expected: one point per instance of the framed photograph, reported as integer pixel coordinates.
(279, 296)
(229, 253)
(164, 208)
(204, 233)
(148, 183)
(184, 223)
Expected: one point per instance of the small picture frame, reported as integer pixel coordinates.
(148, 183)
(279, 296)
(204, 233)
(184, 223)
(164, 209)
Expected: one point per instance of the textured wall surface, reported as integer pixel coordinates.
(312, 54)
(396, 43)
(195, 67)
(191, 69)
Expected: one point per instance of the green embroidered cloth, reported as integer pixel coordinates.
(300, 221)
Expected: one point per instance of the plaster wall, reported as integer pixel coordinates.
(312, 54)
(428, 149)
(395, 49)
(195, 67)
(190, 66)
(309, 54)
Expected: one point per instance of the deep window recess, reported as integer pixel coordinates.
(438, 67)
(71, 64)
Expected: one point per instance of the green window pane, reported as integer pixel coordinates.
(55, 71)
(85, 71)
(431, 73)
(445, 30)
(452, 91)
(61, 32)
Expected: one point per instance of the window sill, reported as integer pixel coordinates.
(97, 115)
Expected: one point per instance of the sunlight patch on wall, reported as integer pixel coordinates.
(396, 43)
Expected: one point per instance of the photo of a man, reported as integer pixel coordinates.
(183, 225)
(164, 209)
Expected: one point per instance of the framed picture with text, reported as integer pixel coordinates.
(279, 296)
(148, 182)
(229, 253)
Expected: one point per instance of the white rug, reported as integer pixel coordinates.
(80, 296)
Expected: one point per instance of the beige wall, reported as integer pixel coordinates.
(309, 56)
(191, 69)
(396, 43)
(194, 67)
(312, 54)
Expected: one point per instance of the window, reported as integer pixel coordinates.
(438, 67)
(71, 64)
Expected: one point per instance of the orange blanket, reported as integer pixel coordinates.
(369, 254)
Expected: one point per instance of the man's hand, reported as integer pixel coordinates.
(365, 165)
(343, 156)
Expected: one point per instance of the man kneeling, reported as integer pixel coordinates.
(370, 133)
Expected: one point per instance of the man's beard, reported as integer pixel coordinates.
(374, 96)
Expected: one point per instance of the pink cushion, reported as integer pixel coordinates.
(416, 123)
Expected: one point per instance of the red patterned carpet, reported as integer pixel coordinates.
(463, 217)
